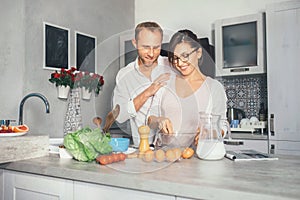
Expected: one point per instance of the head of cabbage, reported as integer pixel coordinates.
(87, 144)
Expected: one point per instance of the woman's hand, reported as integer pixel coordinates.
(197, 137)
(165, 126)
(162, 123)
(157, 84)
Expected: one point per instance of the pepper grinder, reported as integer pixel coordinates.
(262, 112)
(144, 132)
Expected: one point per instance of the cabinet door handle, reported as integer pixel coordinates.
(272, 130)
(272, 149)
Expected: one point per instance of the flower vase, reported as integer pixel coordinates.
(73, 118)
(86, 94)
(63, 91)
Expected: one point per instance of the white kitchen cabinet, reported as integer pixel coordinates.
(25, 186)
(1, 185)
(258, 145)
(96, 192)
(284, 147)
(22, 186)
(283, 70)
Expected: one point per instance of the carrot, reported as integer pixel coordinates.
(102, 160)
(111, 158)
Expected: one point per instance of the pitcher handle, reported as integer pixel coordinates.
(227, 125)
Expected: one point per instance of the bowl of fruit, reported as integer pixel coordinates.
(10, 130)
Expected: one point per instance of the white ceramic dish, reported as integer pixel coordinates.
(56, 141)
(244, 121)
(130, 150)
(63, 153)
(53, 149)
(12, 134)
(254, 120)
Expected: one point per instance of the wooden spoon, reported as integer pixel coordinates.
(97, 121)
(111, 117)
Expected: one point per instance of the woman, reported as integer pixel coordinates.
(188, 93)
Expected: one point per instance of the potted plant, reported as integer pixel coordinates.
(64, 81)
(99, 85)
(89, 82)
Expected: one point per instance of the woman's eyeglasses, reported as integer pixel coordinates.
(184, 57)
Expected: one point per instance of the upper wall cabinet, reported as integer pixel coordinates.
(283, 58)
(240, 45)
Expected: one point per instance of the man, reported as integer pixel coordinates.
(138, 84)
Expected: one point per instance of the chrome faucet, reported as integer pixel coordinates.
(28, 96)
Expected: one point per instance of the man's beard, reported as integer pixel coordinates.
(147, 64)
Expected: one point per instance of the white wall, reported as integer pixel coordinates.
(21, 45)
(12, 56)
(21, 56)
(197, 15)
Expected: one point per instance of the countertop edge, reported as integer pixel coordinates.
(94, 173)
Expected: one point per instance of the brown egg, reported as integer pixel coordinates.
(177, 152)
(148, 156)
(187, 153)
(170, 155)
(160, 155)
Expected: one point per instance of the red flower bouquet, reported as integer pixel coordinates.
(90, 81)
(63, 77)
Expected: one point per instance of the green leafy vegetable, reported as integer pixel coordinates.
(87, 144)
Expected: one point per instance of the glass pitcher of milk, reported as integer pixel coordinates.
(210, 144)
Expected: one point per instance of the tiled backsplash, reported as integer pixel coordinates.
(246, 93)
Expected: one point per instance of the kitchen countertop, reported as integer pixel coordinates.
(193, 178)
(116, 132)
(23, 147)
(248, 136)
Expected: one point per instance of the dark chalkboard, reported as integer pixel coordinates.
(85, 53)
(130, 52)
(56, 47)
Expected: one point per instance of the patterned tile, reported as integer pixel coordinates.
(246, 92)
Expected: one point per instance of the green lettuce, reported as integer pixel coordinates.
(87, 144)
